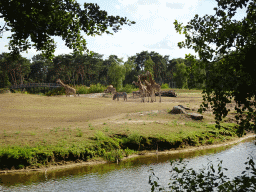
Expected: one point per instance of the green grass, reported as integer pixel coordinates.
(109, 146)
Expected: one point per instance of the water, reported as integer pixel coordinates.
(132, 175)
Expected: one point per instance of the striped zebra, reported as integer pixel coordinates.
(120, 94)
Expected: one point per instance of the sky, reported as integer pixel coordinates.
(154, 29)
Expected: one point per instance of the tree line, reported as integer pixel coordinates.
(87, 70)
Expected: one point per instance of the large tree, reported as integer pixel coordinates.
(116, 71)
(227, 50)
(41, 20)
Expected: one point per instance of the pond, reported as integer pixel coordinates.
(130, 175)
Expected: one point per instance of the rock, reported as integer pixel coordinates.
(181, 110)
(178, 110)
(195, 116)
(184, 107)
(169, 93)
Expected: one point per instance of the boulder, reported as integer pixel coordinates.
(178, 110)
(169, 93)
(195, 116)
(182, 110)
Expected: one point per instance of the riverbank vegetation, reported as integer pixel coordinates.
(209, 178)
(41, 131)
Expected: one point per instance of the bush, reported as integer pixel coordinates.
(4, 90)
(208, 179)
(81, 89)
(127, 88)
(114, 155)
(57, 91)
(98, 88)
(164, 86)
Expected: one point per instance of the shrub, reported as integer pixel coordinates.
(57, 91)
(81, 89)
(128, 152)
(207, 179)
(127, 88)
(4, 90)
(164, 86)
(114, 155)
(98, 88)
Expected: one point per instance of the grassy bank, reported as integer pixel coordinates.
(37, 131)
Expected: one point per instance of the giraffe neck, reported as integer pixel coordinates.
(140, 84)
(150, 79)
(62, 84)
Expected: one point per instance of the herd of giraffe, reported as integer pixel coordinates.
(147, 90)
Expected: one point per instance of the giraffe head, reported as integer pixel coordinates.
(58, 81)
(148, 73)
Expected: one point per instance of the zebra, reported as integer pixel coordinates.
(120, 94)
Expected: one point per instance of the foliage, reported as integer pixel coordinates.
(114, 155)
(116, 72)
(164, 86)
(39, 20)
(4, 90)
(228, 74)
(12, 70)
(98, 88)
(57, 91)
(149, 66)
(208, 179)
(180, 75)
(81, 89)
(127, 88)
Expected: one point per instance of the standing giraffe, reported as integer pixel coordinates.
(149, 88)
(68, 90)
(142, 88)
(154, 87)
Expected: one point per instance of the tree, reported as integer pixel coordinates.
(39, 69)
(130, 71)
(180, 75)
(228, 74)
(39, 20)
(149, 66)
(116, 72)
(159, 66)
(13, 71)
(139, 60)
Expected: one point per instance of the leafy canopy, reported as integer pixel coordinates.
(226, 47)
(38, 21)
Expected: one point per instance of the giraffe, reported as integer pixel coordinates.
(154, 87)
(149, 88)
(68, 90)
(142, 88)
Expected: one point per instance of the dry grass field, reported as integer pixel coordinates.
(36, 130)
(31, 119)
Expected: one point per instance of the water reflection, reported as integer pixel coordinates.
(131, 175)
